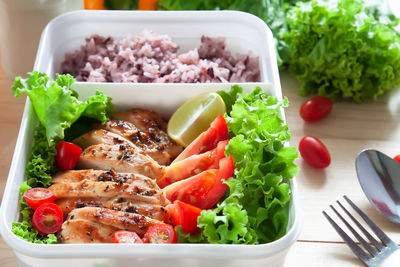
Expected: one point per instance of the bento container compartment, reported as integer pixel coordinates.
(163, 98)
(244, 33)
(269, 254)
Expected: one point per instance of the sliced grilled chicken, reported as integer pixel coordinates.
(153, 211)
(120, 159)
(154, 125)
(84, 231)
(118, 219)
(109, 190)
(149, 145)
(75, 176)
(73, 187)
(144, 118)
(101, 136)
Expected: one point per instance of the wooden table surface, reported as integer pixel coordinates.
(346, 131)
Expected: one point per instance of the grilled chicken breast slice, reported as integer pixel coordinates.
(137, 193)
(73, 187)
(148, 145)
(84, 231)
(74, 176)
(102, 136)
(153, 211)
(145, 121)
(120, 159)
(118, 219)
(144, 118)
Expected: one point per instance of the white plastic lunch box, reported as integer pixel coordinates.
(243, 32)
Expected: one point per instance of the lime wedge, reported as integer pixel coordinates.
(194, 117)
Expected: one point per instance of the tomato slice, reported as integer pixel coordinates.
(37, 196)
(208, 140)
(68, 155)
(204, 189)
(160, 234)
(193, 165)
(128, 237)
(185, 215)
(48, 218)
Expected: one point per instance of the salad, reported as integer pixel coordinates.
(241, 196)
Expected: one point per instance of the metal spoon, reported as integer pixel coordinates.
(379, 177)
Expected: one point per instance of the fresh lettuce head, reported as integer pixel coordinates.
(343, 48)
(56, 104)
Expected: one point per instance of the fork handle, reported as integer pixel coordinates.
(393, 260)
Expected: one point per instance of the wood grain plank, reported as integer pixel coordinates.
(321, 254)
(11, 110)
(7, 256)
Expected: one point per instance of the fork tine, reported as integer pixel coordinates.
(366, 233)
(379, 233)
(364, 243)
(353, 246)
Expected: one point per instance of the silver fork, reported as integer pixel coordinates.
(377, 253)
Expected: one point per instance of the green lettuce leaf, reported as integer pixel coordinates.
(56, 104)
(99, 107)
(121, 4)
(184, 237)
(25, 231)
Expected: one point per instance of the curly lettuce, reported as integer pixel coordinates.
(256, 209)
(343, 48)
(41, 162)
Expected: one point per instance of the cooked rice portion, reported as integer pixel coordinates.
(151, 58)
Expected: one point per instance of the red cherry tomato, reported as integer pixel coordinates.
(208, 140)
(314, 152)
(316, 108)
(37, 196)
(48, 218)
(68, 155)
(160, 234)
(128, 237)
(185, 215)
(397, 158)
